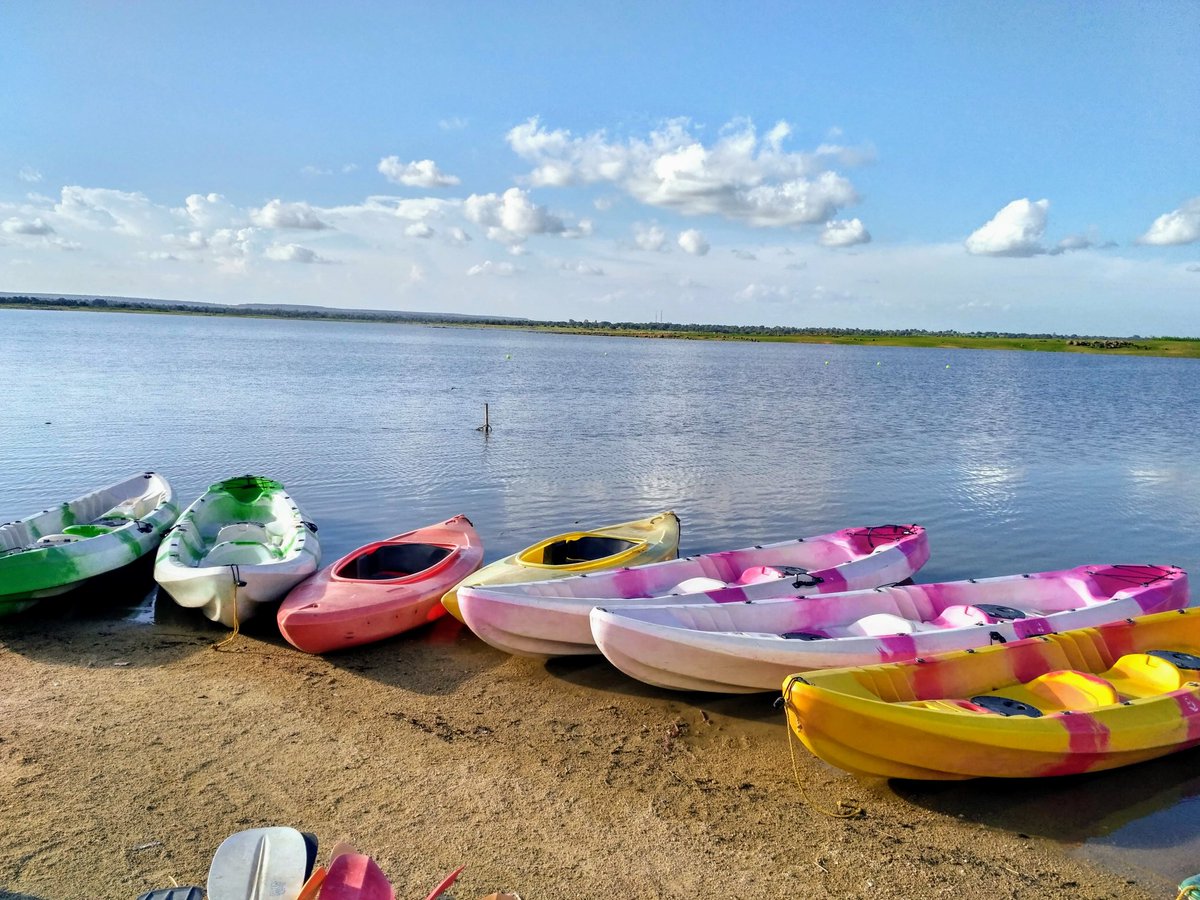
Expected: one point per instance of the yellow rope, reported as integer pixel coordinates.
(846, 809)
(220, 645)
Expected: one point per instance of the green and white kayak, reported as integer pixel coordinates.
(60, 548)
(242, 544)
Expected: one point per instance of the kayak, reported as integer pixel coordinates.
(744, 647)
(243, 543)
(578, 552)
(552, 619)
(382, 589)
(354, 876)
(58, 549)
(1059, 704)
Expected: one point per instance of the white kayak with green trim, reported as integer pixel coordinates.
(243, 543)
(60, 548)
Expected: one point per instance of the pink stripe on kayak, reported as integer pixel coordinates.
(897, 648)
(629, 584)
(1087, 744)
(1188, 702)
(727, 595)
(1032, 626)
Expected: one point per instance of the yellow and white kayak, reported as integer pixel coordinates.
(1059, 704)
(649, 540)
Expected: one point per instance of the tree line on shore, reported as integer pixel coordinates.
(303, 312)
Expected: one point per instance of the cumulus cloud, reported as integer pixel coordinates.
(423, 173)
(511, 217)
(29, 174)
(649, 237)
(740, 176)
(34, 226)
(419, 230)
(278, 214)
(457, 235)
(1180, 226)
(1014, 231)
(844, 233)
(292, 253)
(579, 267)
(128, 213)
(487, 267)
(208, 211)
(744, 254)
(693, 242)
(193, 240)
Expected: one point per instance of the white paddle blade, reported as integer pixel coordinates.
(259, 864)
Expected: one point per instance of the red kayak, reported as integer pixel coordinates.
(382, 589)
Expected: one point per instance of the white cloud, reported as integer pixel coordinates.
(649, 237)
(579, 267)
(292, 253)
(315, 171)
(422, 174)
(34, 226)
(739, 176)
(193, 240)
(744, 254)
(128, 213)
(487, 267)
(453, 123)
(29, 174)
(278, 214)
(1180, 226)
(1072, 242)
(511, 217)
(844, 233)
(419, 230)
(1014, 231)
(693, 242)
(209, 211)
(349, 167)
(765, 293)
(457, 235)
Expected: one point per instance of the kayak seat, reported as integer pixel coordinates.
(1146, 675)
(238, 553)
(1068, 689)
(698, 585)
(243, 531)
(962, 616)
(882, 624)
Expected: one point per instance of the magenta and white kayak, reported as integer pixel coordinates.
(550, 618)
(746, 647)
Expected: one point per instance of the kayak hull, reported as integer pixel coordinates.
(1060, 704)
(553, 618)
(746, 647)
(648, 540)
(337, 609)
(59, 549)
(242, 544)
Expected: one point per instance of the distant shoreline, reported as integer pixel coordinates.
(1172, 347)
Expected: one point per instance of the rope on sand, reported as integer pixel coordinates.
(237, 582)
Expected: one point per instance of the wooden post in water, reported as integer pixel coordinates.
(486, 427)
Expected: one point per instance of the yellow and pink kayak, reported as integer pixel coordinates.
(1058, 704)
(649, 540)
(382, 589)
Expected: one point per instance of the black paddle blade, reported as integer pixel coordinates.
(310, 844)
(174, 893)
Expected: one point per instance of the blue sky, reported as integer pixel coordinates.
(994, 166)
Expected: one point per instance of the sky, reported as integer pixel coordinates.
(991, 166)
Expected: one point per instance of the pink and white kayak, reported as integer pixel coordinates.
(550, 618)
(382, 589)
(745, 647)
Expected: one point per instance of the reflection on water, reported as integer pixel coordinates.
(1015, 462)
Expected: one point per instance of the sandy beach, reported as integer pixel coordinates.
(129, 750)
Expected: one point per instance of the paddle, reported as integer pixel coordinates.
(174, 893)
(445, 885)
(258, 864)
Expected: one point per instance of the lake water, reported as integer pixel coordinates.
(1015, 462)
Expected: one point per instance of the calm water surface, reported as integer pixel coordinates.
(1015, 462)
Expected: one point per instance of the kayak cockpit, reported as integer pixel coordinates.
(569, 551)
(385, 562)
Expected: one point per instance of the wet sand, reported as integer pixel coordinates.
(129, 751)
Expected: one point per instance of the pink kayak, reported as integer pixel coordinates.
(382, 589)
(353, 876)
